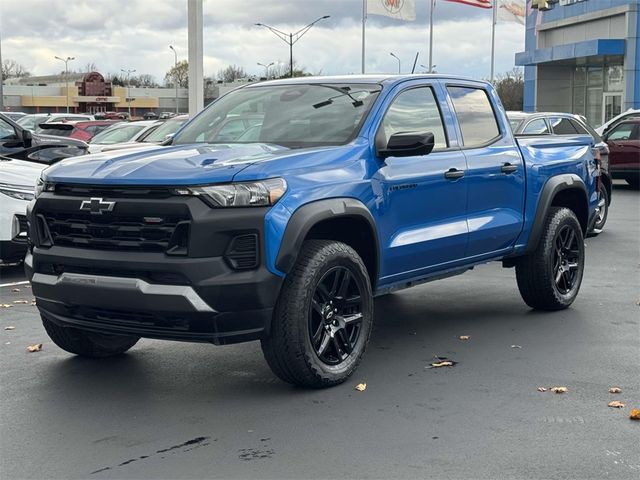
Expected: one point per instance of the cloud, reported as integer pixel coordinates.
(136, 34)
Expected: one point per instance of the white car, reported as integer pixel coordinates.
(631, 113)
(122, 135)
(17, 186)
(31, 121)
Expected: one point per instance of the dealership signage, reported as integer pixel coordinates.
(549, 4)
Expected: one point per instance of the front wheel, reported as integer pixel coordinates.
(323, 317)
(88, 344)
(549, 278)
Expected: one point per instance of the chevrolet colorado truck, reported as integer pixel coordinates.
(283, 229)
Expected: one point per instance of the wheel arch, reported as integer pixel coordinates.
(566, 190)
(346, 220)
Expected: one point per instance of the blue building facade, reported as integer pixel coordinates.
(582, 56)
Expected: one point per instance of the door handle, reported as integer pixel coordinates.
(508, 168)
(453, 174)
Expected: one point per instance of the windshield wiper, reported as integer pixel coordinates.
(355, 103)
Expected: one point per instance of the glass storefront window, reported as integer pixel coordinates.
(614, 78)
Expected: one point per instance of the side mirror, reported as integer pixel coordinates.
(406, 144)
(27, 138)
(168, 139)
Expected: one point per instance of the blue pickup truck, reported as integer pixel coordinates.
(281, 210)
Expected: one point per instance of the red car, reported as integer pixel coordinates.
(84, 131)
(624, 151)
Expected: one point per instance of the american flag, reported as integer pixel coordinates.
(474, 3)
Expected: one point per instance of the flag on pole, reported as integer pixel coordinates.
(398, 9)
(511, 11)
(474, 3)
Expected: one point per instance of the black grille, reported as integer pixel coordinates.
(242, 253)
(112, 191)
(158, 233)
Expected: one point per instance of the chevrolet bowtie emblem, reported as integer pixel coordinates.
(96, 206)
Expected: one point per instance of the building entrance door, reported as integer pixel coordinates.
(611, 105)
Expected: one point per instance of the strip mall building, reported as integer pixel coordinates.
(582, 56)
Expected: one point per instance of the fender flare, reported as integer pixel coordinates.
(310, 214)
(556, 184)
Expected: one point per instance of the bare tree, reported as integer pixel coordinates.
(12, 69)
(281, 70)
(510, 88)
(178, 73)
(146, 80)
(231, 73)
(90, 67)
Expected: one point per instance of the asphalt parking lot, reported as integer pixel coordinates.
(174, 410)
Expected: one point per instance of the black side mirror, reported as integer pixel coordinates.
(27, 138)
(406, 144)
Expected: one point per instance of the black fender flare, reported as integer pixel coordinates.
(553, 186)
(310, 214)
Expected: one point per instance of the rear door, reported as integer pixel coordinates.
(422, 199)
(495, 172)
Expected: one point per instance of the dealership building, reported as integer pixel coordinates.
(582, 56)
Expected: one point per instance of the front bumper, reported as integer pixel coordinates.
(199, 296)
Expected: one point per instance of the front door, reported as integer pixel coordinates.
(495, 174)
(611, 105)
(422, 218)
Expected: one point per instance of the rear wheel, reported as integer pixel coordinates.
(549, 278)
(603, 212)
(323, 317)
(88, 344)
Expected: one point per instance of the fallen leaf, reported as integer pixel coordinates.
(361, 387)
(15, 289)
(10, 327)
(635, 414)
(6, 305)
(464, 337)
(542, 389)
(615, 390)
(36, 347)
(438, 362)
(616, 404)
(21, 301)
(516, 346)
(559, 389)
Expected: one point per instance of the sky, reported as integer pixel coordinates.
(136, 34)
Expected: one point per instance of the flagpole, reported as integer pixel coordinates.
(433, 4)
(494, 18)
(364, 22)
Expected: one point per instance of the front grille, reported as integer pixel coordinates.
(112, 191)
(158, 233)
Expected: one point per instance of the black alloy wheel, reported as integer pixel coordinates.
(566, 259)
(335, 315)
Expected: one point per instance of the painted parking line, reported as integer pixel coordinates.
(12, 284)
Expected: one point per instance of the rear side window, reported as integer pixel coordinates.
(562, 126)
(475, 116)
(536, 127)
(579, 128)
(622, 132)
(415, 110)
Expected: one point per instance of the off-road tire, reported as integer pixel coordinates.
(598, 226)
(535, 272)
(88, 344)
(288, 349)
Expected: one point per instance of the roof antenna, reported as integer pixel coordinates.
(414, 62)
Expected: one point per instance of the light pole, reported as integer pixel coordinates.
(266, 69)
(429, 70)
(291, 38)
(396, 57)
(128, 72)
(66, 74)
(175, 73)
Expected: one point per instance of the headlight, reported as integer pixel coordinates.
(250, 194)
(42, 186)
(17, 191)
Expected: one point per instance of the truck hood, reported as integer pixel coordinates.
(19, 172)
(178, 165)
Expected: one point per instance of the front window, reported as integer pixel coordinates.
(294, 116)
(6, 130)
(167, 128)
(117, 135)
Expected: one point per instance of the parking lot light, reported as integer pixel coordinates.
(66, 74)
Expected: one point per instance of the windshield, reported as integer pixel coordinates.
(117, 134)
(293, 116)
(167, 128)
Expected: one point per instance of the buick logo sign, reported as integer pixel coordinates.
(96, 206)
